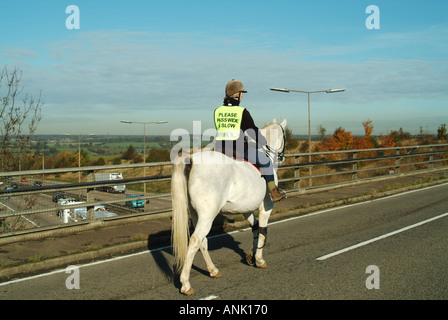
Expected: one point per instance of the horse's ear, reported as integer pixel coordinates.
(283, 123)
(274, 121)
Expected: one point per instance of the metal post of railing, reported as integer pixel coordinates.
(355, 167)
(431, 158)
(310, 172)
(297, 174)
(90, 209)
(397, 163)
(90, 197)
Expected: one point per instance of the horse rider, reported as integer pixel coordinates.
(231, 122)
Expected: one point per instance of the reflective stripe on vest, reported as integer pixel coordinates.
(228, 122)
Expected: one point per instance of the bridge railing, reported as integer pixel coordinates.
(34, 205)
(348, 166)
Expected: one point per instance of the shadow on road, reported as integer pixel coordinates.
(159, 245)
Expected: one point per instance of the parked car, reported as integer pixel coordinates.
(38, 183)
(23, 180)
(12, 186)
(58, 196)
(134, 203)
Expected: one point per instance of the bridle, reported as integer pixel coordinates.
(281, 150)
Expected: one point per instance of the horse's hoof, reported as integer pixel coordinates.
(188, 292)
(263, 265)
(216, 275)
(250, 259)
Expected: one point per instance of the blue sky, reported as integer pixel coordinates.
(170, 60)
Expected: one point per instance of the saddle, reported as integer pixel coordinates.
(245, 160)
(238, 157)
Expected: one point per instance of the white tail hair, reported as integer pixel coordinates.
(180, 204)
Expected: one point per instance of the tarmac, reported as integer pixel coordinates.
(27, 257)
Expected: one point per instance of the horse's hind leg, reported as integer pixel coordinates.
(202, 229)
(214, 272)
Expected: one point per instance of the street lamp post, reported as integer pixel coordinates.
(144, 142)
(309, 117)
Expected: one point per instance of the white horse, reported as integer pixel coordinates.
(207, 183)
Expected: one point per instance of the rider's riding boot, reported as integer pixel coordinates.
(277, 195)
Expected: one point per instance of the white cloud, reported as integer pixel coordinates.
(101, 77)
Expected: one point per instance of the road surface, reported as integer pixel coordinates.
(389, 248)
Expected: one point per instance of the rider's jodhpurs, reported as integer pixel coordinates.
(250, 154)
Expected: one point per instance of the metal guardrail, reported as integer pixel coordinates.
(32, 206)
(420, 156)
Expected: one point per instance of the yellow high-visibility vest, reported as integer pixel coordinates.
(228, 122)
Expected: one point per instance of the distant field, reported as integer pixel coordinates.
(125, 145)
(107, 149)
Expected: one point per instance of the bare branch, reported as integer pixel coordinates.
(19, 118)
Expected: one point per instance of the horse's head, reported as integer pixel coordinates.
(275, 137)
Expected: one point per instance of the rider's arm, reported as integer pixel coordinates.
(247, 122)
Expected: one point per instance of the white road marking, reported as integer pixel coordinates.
(211, 297)
(381, 237)
(30, 221)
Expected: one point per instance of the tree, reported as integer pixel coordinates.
(20, 115)
(441, 132)
(129, 154)
(425, 137)
(99, 162)
(366, 142)
(84, 157)
(321, 131)
(401, 135)
(341, 140)
(158, 155)
(387, 142)
(344, 140)
(290, 142)
(368, 129)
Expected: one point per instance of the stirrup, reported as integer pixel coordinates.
(282, 192)
(279, 195)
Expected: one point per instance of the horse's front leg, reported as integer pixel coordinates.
(265, 211)
(250, 217)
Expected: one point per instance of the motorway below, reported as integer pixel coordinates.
(51, 218)
(396, 244)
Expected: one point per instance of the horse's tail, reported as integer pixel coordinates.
(180, 204)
